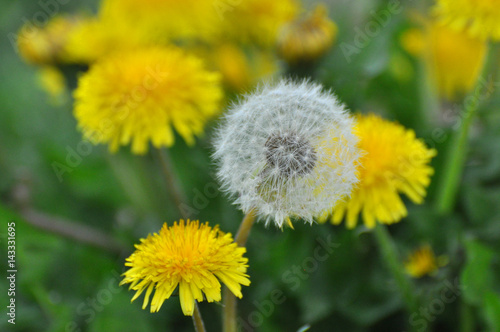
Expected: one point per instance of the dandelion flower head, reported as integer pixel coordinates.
(94, 38)
(480, 18)
(423, 262)
(241, 68)
(454, 58)
(394, 162)
(137, 97)
(287, 150)
(258, 21)
(52, 81)
(308, 38)
(46, 45)
(192, 256)
(163, 20)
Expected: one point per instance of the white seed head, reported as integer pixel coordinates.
(287, 150)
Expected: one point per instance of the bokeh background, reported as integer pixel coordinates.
(66, 284)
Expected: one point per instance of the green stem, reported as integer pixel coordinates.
(466, 318)
(199, 326)
(73, 230)
(429, 102)
(172, 184)
(229, 312)
(245, 227)
(457, 152)
(389, 252)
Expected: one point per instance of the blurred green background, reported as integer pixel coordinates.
(65, 285)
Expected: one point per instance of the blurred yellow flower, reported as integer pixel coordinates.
(137, 97)
(423, 262)
(53, 82)
(308, 38)
(163, 20)
(189, 255)
(395, 162)
(92, 39)
(480, 18)
(454, 59)
(242, 68)
(124, 25)
(45, 45)
(258, 21)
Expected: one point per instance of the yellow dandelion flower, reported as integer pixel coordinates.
(92, 39)
(307, 38)
(137, 97)
(394, 162)
(52, 81)
(155, 22)
(195, 257)
(453, 58)
(45, 45)
(242, 68)
(480, 18)
(163, 20)
(233, 65)
(423, 262)
(258, 21)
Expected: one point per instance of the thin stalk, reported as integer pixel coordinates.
(244, 229)
(466, 317)
(229, 312)
(389, 252)
(174, 188)
(76, 231)
(455, 159)
(199, 326)
(171, 182)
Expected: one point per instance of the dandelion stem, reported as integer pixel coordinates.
(73, 230)
(229, 313)
(457, 152)
(173, 186)
(389, 252)
(466, 317)
(199, 326)
(245, 227)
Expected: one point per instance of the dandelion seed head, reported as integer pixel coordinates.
(287, 150)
